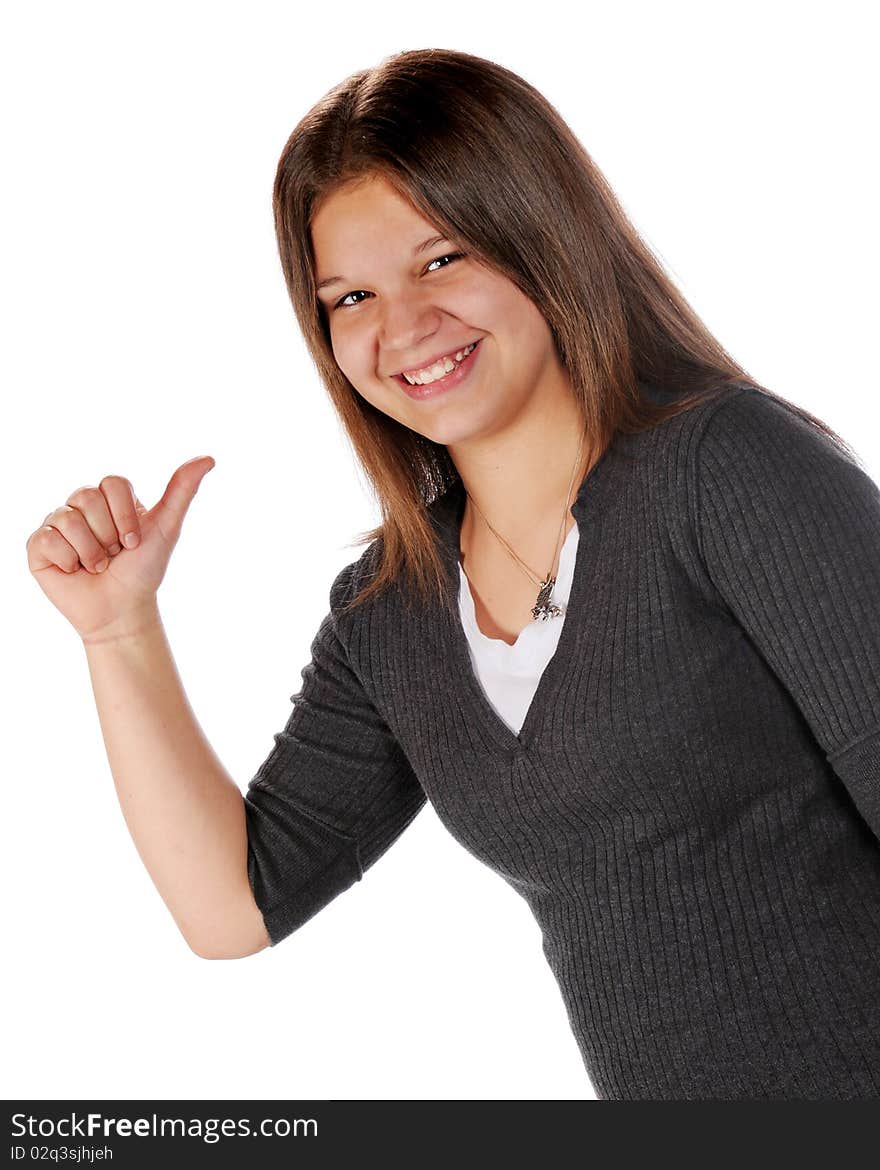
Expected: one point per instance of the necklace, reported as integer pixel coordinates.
(544, 607)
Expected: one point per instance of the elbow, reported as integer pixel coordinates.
(208, 952)
(203, 949)
(224, 948)
(239, 931)
(219, 952)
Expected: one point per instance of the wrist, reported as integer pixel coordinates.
(133, 625)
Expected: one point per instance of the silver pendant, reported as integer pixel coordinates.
(543, 607)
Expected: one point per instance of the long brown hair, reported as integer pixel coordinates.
(484, 156)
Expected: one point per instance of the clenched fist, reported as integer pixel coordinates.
(101, 557)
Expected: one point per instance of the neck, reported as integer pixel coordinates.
(521, 476)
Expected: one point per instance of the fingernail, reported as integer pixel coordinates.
(101, 565)
(114, 548)
(130, 540)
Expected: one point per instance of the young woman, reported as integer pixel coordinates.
(620, 623)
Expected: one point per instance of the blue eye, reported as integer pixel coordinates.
(449, 256)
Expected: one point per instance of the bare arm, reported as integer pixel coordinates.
(183, 810)
(100, 559)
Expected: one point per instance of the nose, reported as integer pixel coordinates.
(405, 324)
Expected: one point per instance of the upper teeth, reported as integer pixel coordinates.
(439, 369)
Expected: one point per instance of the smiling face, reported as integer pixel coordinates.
(405, 297)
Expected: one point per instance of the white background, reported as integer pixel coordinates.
(146, 322)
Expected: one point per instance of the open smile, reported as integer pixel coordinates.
(441, 376)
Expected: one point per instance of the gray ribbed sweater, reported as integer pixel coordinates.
(692, 807)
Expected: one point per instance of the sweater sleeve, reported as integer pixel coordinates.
(788, 527)
(335, 792)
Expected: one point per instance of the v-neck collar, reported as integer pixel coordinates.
(447, 512)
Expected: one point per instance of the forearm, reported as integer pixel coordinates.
(183, 810)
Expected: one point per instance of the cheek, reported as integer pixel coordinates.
(529, 332)
(500, 308)
(348, 354)
(354, 356)
(526, 316)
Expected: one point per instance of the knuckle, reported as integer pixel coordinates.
(115, 479)
(82, 495)
(40, 538)
(62, 516)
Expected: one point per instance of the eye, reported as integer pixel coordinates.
(448, 256)
(340, 304)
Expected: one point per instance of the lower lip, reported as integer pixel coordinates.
(447, 382)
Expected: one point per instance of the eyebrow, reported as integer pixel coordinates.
(422, 247)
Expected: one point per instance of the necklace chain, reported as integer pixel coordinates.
(543, 607)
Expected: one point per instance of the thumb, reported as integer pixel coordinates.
(178, 495)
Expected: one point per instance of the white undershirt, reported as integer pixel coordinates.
(509, 675)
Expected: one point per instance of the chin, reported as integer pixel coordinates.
(454, 429)
(443, 423)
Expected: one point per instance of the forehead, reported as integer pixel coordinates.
(363, 215)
